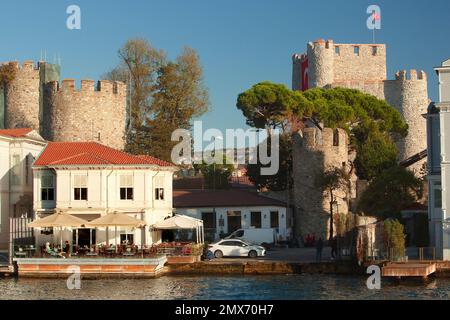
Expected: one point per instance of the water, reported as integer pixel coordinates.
(279, 287)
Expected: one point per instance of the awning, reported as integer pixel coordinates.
(58, 220)
(178, 222)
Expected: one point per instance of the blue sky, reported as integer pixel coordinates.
(240, 42)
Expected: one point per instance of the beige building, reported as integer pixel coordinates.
(90, 180)
(18, 149)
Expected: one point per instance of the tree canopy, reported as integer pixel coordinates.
(391, 191)
(216, 175)
(372, 124)
(164, 95)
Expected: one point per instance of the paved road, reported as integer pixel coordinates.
(285, 255)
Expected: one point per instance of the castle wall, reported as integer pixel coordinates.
(89, 114)
(22, 98)
(314, 151)
(375, 88)
(297, 71)
(2, 107)
(408, 93)
(321, 63)
(369, 65)
(365, 70)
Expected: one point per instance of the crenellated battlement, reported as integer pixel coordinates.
(298, 58)
(410, 75)
(88, 86)
(325, 139)
(27, 65)
(327, 44)
(62, 112)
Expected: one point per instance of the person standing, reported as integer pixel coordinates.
(334, 248)
(319, 247)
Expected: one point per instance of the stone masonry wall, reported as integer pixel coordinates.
(315, 152)
(366, 71)
(408, 93)
(320, 63)
(369, 65)
(22, 98)
(86, 115)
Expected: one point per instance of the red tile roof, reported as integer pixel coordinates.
(91, 153)
(15, 133)
(157, 161)
(221, 198)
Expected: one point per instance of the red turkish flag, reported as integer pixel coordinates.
(305, 85)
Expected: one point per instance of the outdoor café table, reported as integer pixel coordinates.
(21, 254)
(30, 251)
(91, 254)
(128, 254)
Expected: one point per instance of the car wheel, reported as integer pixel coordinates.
(218, 254)
(253, 254)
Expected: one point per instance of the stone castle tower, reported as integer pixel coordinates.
(357, 66)
(35, 99)
(363, 66)
(316, 151)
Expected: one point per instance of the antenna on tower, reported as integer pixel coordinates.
(45, 55)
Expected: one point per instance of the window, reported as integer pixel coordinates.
(15, 172)
(126, 187)
(159, 188)
(159, 194)
(356, 50)
(209, 220)
(80, 190)
(127, 238)
(437, 198)
(256, 219)
(336, 138)
(337, 50)
(274, 219)
(47, 188)
(374, 50)
(231, 243)
(28, 161)
(234, 220)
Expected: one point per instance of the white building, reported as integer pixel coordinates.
(88, 180)
(225, 211)
(18, 149)
(438, 140)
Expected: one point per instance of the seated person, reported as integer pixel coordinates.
(67, 249)
(52, 252)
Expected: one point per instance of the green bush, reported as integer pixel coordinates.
(394, 239)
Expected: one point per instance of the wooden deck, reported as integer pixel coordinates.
(94, 267)
(412, 269)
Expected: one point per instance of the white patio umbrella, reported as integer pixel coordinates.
(59, 220)
(182, 222)
(117, 219)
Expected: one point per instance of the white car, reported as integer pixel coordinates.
(236, 248)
